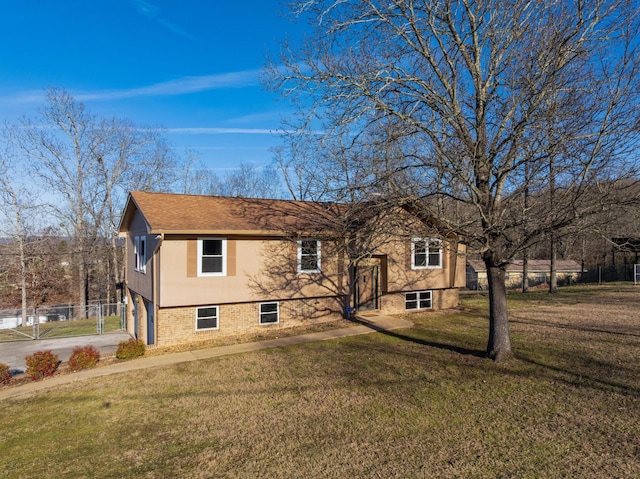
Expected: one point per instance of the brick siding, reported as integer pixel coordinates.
(178, 325)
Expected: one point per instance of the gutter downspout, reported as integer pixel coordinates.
(156, 284)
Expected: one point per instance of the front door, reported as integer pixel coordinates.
(367, 288)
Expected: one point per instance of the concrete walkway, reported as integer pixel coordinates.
(369, 324)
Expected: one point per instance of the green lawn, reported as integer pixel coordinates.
(416, 403)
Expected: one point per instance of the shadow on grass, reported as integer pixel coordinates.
(593, 373)
(579, 378)
(404, 337)
(572, 327)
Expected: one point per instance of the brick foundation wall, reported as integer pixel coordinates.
(178, 325)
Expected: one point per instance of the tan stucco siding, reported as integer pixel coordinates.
(261, 270)
(401, 277)
(458, 261)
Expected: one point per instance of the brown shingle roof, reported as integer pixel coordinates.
(176, 213)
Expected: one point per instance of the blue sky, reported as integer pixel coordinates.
(191, 66)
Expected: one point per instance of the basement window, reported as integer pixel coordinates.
(418, 300)
(206, 318)
(269, 313)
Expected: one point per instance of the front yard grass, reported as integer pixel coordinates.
(414, 403)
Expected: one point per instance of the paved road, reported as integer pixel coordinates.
(13, 353)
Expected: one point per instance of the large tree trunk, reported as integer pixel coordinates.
(499, 346)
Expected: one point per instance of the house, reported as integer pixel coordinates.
(567, 272)
(202, 267)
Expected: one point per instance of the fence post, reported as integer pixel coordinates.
(36, 324)
(99, 319)
(123, 315)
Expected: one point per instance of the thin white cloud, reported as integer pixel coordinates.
(221, 131)
(181, 86)
(145, 8)
(153, 12)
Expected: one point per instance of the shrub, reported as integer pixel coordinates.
(41, 364)
(84, 357)
(5, 374)
(132, 348)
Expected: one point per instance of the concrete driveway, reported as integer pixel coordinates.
(13, 353)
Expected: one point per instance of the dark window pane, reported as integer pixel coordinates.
(309, 263)
(212, 265)
(269, 318)
(425, 304)
(212, 247)
(434, 258)
(207, 323)
(269, 307)
(420, 246)
(412, 305)
(207, 312)
(309, 247)
(420, 259)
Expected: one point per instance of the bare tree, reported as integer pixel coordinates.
(465, 94)
(244, 182)
(17, 208)
(87, 165)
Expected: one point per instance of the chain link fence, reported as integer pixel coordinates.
(46, 322)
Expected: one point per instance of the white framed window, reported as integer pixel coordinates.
(212, 255)
(140, 253)
(206, 318)
(269, 313)
(426, 253)
(418, 300)
(308, 256)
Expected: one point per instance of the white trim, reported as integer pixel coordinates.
(418, 299)
(136, 256)
(318, 256)
(277, 312)
(143, 255)
(217, 316)
(224, 257)
(427, 241)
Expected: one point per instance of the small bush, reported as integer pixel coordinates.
(41, 364)
(84, 357)
(5, 374)
(131, 349)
